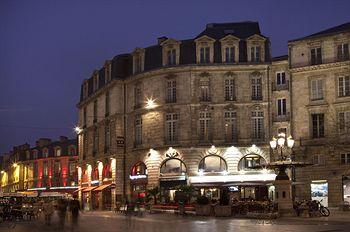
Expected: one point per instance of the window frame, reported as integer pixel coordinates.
(222, 162)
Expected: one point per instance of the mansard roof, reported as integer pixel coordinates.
(330, 31)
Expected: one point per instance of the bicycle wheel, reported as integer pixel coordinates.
(325, 211)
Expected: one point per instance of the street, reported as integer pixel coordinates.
(108, 221)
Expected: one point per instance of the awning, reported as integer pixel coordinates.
(80, 189)
(102, 187)
(232, 178)
(88, 189)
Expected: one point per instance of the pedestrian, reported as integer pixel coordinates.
(62, 209)
(48, 210)
(74, 207)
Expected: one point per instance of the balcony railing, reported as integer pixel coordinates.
(276, 87)
(281, 118)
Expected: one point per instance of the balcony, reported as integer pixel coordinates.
(281, 118)
(276, 87)
(257, 98)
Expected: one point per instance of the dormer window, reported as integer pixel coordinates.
(171, 52)
(108, 72)
(316, 56)
(85, 90)
(255, 52)
(255, 48)
(45, 153)
(229, 48)
(171, 56)
(58, 152)
(205, 49)
(138, 60)
(95, 79)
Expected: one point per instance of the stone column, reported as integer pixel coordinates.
(113, 190)
(100, 179)
(283, 190)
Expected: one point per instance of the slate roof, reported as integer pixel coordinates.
(122, 64)
(345, 27)
(280, 58)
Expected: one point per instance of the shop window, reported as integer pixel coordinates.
(173, 166)
(319, 191)
(212, 163)
(251, 162)
(139, 169)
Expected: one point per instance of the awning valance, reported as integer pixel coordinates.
(88, 189)
(232, 178)
(80, 189)
(102, 187)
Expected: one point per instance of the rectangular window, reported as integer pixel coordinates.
(137, 96)
(231, 129)
(255, 53)
(204, 55)
(171, 91)
(84, 117)
(344, 121)
(204, 90)
(107, 137)
(319, 160)
(344, 86)
(95, 111)
(258, 125)
(85, 145)
(316, 56)
(171, 57)
(107, 104)
(46, 169)
(204, 126)
(317, 125)
(171, 124)
(95, 141)
(281, 107)
(137, 63)
(281, 78)
(343, 52)
(230, 90)
(138, 130)
(316, 89)
(108, 73)
(230, 54)
(345, 158)
(256, 88)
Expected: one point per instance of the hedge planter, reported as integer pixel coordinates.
(222, 210)
(203, 210)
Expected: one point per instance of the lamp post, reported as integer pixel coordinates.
(283, 145)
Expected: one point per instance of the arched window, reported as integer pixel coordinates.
(252, 161)
(58, 152)
(45, 152)
(72, 151)
(173, 166)
(212, 163)
(139, 169)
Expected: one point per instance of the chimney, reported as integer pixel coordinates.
(161, 39)
(63, 138)
(43, 142)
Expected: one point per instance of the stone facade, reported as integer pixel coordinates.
(275, 90)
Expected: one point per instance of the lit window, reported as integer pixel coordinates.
(173, 166)
(252, 161)
(58, 152)
(212, 163)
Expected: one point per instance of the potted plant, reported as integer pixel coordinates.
(153, 193)
(203, 208)
(223, 209)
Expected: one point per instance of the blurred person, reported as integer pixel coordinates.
(62, 209)
(74, 207)
(48, 210)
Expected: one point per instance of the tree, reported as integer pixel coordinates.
(154, 192)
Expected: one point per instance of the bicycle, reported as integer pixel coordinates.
(324, 211)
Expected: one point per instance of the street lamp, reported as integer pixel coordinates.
(282, 143)
(150, 103)
(77, 130)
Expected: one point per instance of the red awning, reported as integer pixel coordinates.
(102, 187)
(88, 189)
(80, 189)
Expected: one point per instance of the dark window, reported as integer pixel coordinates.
(171, 57)
(317, 125)
(204, 55)
(107, 137)
(107, 104)
(258, 125)
(171, 91)
(204, 126)
(281, 107)
(316, 56)
(345, 158)
(344, 86)
(256, 88)
(171, 125)
(281, 78)
(343, 52)
(95, 111)
(231, 128)
(230, 54)
(230, 90)
(204, 90)
(173, 166)
(138, 130)
(84, 117)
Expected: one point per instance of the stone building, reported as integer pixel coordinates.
(199, 111)
(50, 166)
(202, 111)
(320, 93)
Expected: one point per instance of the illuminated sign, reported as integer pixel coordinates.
(136, 177)
(232, 178)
